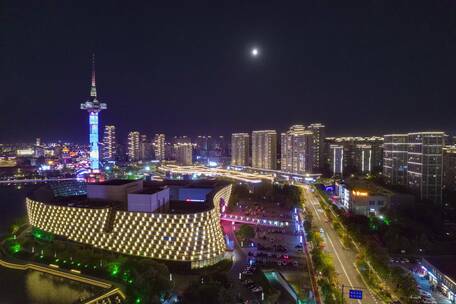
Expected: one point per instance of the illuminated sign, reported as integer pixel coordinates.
(359, 193)
(355, 294)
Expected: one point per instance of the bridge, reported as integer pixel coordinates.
(253, 220)
(35, 180)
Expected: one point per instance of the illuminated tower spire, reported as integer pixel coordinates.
(93, 89)
(93, 106)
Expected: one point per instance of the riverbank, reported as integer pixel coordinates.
(108, 289)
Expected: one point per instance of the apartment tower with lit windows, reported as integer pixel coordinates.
(109, 143)
(240, 145)
(264, 149)
(297, 150)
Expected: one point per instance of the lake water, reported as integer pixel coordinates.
(32, 287)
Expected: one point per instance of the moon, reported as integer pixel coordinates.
(255, 52)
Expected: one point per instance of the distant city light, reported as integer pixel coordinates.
(212, 164)
(45, 167)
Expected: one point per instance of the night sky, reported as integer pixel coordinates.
(360, 67)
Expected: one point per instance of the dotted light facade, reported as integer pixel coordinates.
(196, 237)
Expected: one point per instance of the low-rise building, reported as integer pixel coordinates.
(174, 221)
(441, 272)
(364, 197)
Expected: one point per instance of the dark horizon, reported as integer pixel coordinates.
(380, 68)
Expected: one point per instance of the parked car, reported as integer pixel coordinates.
(257, 289)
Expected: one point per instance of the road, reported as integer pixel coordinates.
(37, 180)
(240, 261)
(343, 259)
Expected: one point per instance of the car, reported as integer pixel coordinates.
(282, 263)
(424, 292)
(257, 289)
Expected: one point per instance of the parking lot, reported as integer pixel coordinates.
(276, 249)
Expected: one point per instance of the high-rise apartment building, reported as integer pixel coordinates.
(449, 168)
(145, 148)
(318, 131)
(416, 161)
(363, 157)
(353, 147)
(424, 164)
(109, 143)
(395, 148)
(264, 149)
(159, 146)
(240, 146)
(133, 152)
(184, 153)
(297, 150)
(39, 149)
(336, 160)
(201, 146)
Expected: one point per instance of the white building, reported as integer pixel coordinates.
(264, 149)
(133, 152)
(336, 163)
(240, 145)
(109, 143)
(297, 154)
(159, 146)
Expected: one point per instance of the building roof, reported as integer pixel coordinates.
(150, 190)
(115, 182)
(362, 184)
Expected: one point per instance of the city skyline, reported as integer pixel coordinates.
(251, 152)
(168, 71)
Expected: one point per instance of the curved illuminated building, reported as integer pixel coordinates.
(172, 221)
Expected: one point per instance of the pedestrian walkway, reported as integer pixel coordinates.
(253, 220)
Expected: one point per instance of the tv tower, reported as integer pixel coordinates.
(93, 106)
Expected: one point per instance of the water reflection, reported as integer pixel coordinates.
(43, 288)
(33, 287)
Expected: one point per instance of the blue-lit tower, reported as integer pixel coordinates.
(93, 106)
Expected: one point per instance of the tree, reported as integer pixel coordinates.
(246, 232)
(201, 293)
(226, 296)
